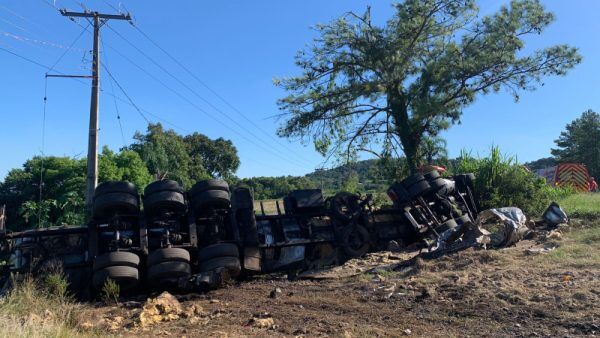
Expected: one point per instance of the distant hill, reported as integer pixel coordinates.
(370, 176)
(367, 174)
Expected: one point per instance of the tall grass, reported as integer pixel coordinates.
(502, 182)
(30, 309)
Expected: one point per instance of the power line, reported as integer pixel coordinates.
(125, 93)
(181, 96)
(42, 151)
(122, 100)
(80, 81)
(112, 90)
(268, 147)
(189, 72)
(70, 46)
(242, 127)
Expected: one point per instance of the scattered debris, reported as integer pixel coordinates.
(165, 308)
(262, 321)
(536, 251)
(393, 246)
(506, 226)
(555, 215)
(276, 293)
(554, 234)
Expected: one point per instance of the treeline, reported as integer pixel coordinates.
(55, 195)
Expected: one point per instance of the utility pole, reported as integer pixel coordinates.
(92, 156)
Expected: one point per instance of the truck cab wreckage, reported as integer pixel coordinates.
(174, 239)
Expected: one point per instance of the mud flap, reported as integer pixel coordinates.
(252, 259)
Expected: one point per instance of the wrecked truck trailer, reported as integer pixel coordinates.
(196, 239)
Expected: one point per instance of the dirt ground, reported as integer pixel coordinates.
(509, 292)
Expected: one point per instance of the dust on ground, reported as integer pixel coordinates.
(546, 285)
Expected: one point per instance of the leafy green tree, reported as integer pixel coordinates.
(395, 85)
(123, 166)
(217, 157)
(164, 153)
(432, 149)
(352, 183)
(62, 192)
(580, 142)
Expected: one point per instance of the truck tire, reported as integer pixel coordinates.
(211, 198)
(159, 201)
(116, 186)
(343, 205)
(400, 192)
(218, 250)
(168, 255)
(111, 203)
(126, 277)
(230, 263)
(355, 240)
(206, 185)
(412, 180)
(164, 185)
(168, 270)
(116, 258)
(437, 184)
(432, 175)
(419, 189)
(449, 224)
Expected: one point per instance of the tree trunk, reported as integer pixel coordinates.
(408, 137)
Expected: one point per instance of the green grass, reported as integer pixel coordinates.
(580, 248)
(581, 205)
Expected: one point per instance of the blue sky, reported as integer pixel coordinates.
(237, 48)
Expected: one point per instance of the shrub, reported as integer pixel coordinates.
(57, 285)
(110, 291)
(502, 182)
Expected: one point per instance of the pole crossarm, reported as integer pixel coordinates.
(71, 76)
(89, 14)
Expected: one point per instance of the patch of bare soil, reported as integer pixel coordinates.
(510, 292)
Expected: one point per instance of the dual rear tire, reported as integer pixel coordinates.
(221, 255)
(167, 265)
(119, 266)
(116, 198)
(212, 193)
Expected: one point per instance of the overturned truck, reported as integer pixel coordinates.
(170, 238)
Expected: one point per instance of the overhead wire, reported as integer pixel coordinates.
(69, 48)
(214, 92)
(112, 89)
(125, 93)
(197, 107)
(242, 127)
(139, 109)
(268, 146)
(41, 185)
(270, 166)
